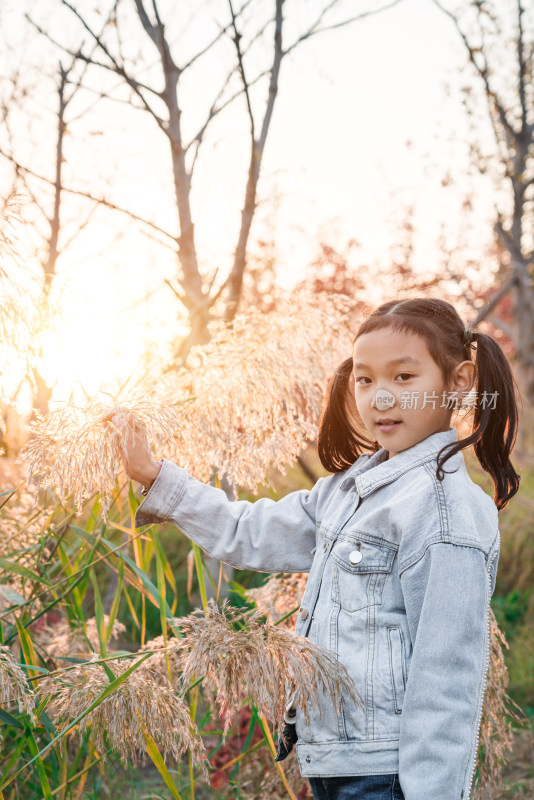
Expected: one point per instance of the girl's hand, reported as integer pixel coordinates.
(135, 451)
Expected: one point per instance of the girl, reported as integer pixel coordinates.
(401, 553)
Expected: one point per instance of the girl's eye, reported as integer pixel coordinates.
(406, 375)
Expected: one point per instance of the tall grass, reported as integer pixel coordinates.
(74, 692)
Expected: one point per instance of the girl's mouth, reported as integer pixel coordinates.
(388, 424)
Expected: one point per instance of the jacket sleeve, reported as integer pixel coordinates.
(265, 535)
(446, 594)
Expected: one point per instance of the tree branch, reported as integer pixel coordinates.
(488, 308)
(237, 42)
(315, 29)
(483, 72)
(89, 60)
(499, 323)
(235, 279)
(214, 41)
(118, 68)
(521, 68)
(87, 196)
(145, 21)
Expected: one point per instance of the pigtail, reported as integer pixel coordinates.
(495, 419)
(338, 442)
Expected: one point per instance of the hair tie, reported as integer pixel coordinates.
(469, 335)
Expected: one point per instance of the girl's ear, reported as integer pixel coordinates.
(464, 376)
(351, 383)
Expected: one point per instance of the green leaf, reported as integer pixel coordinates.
(13, 760)
(99, 615)
(9, 720)
(27, 646)
(162, 589)
(14, 566)
(199, 565)
(238, 588)
(12, 596)
(93, 516)
(117, 599)
(109, 672)
(47, 722)
(131, 607)
(132, 502)
(154, 753)
(150, 590)
(34, 750)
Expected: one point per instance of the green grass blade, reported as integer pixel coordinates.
(41, 771)
(99, 616)
(132, 609)
(150, 590)
(27, 647)
(162, 589)
(133, 503)
(117, 599)
(7, 719)
(14, 566)
(199, 565)
(154, 753)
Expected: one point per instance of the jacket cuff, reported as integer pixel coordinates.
(163, 495)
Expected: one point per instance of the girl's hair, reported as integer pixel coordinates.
(494, 430)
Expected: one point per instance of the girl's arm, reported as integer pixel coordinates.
(446, 595)
(267, 536)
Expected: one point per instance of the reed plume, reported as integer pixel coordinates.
(496, 734)
(242, 657)
(247, 401)
(279, 595)
(142, 704)
(14, 688)
(60, 640)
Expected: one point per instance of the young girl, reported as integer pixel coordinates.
(402, 554)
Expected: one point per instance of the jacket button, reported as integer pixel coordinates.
(308, 759)
(355, 557)
(304, 613)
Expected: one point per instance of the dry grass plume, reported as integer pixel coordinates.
(246, 402)
(142, 703)
(242, 657)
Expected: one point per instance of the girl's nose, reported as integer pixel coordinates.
(383, 400)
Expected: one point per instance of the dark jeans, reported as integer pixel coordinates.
(357, 787)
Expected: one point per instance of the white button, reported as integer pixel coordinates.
(355, 557)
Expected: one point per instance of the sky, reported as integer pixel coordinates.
(363, 128)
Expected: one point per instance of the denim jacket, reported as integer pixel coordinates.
(409, 618)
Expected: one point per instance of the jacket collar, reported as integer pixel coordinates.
(370, 472)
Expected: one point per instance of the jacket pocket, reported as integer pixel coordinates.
(359, 570)
(397, 665)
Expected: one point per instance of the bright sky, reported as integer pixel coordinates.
(337, 166)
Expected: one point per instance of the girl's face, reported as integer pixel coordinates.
(401, 364)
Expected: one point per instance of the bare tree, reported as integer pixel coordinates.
(247, 26)
(499, 40)
(48, 206)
